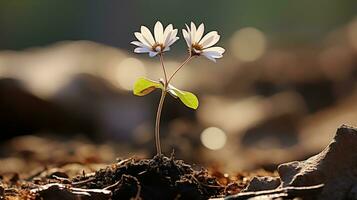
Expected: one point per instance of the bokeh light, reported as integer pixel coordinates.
(248, 44)
(213, 138)
(352, 33)
(3, 70)
(128, 71)
(55, 77)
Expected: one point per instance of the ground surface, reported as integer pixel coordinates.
(157, 178)
(328, 175)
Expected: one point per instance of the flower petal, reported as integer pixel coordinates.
(218, 50)
(153, 53)
(209, 55)
(140, 37)
(199, 32)
(159, 32)
(212, 42)
(139, 44)
(141, 50)
(193, 32)
(168, 30)
(209, 39)
(187, 37)
(167, 34)
(167, 39)
(213, 53)
(166, 49)
(174, 33)
(173, 40)
(147, 35)
(188, 28)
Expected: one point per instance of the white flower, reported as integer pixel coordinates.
(162, 42)
(199, 45)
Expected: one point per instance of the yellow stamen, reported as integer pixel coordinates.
(158, 47)
(196, 49)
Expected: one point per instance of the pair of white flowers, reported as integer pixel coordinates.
(164, 38)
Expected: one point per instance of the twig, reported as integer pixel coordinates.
(83, 182)
(61, 179)
(287, 191)
(52, 190)
(112, 186)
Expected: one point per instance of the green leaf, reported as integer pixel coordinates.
(144, 86)
(189, 99)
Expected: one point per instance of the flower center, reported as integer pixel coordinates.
(158, 47)
(196, 49)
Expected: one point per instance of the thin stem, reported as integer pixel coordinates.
(157, 124)
(163, 67)
(159, 109)
(179, 67)
(162, 99)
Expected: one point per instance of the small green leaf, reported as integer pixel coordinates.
(144, 86)
(189, 99)
(172, 93)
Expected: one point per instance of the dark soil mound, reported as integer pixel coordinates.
(157, 178)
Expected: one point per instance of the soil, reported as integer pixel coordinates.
(327, 175)
(158, 178)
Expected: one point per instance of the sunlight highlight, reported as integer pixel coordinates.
(213, 138)
(352, 33)
(127, 71)
(248, 44)
(45, 81)
(3, 71)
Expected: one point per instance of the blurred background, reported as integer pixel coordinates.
(286, 82)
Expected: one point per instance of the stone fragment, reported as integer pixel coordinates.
(335, 167)
(262, 183)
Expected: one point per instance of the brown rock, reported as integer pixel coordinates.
(335, 167)
(262, 183)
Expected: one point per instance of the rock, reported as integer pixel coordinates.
(329, 175)
(335, 167)
(262, 183)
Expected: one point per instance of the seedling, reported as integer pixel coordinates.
(160, 43)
